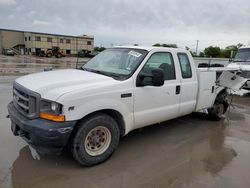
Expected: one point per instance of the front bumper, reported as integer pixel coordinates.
(47, 137)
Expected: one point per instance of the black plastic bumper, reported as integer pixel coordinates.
(47, 137)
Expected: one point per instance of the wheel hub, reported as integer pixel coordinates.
(97, 141)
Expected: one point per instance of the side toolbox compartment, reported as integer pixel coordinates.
(206, 89)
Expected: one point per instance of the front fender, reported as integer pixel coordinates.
(78, 110)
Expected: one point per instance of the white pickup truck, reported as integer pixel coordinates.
(242, 62)
(121, 89)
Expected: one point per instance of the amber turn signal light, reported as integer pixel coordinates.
(52, 117)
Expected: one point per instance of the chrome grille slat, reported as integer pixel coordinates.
(26, 101)
(19, 95)
(20, 104)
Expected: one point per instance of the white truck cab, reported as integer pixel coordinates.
(119, 90)
(242, 61)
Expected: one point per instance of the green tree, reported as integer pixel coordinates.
(230, 49)
(201, 54)
(170, 45)
(239, 45)
(212, 51)
(193, 53)
(157, 44)
(166, 45)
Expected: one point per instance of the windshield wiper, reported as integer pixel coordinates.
(115, 75)
(109, 74)
(93, 70)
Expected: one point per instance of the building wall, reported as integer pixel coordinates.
(66, 43)
(10, 39)
(28, 40)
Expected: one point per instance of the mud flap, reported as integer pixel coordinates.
(231, 81)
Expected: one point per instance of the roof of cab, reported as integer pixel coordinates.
(149, 48)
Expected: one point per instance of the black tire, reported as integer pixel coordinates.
(49, 55)
(220, 106)
(59, 55)
(80, 148)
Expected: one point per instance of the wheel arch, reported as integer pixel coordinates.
(117, 116)
(219, 98)
(219, 92)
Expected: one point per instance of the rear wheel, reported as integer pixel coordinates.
(220, 106)
(95, 140)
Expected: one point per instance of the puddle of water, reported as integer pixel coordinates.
(20, 65)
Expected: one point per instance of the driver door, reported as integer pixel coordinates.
(156, 104)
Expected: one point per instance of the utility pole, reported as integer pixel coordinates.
(1, 42)
(197, 43)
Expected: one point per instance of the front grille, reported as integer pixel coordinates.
(26, 101)
(245, 74)
(21, 99)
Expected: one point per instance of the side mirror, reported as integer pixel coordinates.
(154, 79)
(158, 77)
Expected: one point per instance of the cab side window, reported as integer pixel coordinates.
(161, 60)
(186, 70)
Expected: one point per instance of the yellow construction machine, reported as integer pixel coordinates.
(55, 51)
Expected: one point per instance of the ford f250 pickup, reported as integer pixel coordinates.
(119, 90)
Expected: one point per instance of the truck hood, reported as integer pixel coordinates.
(52, 84)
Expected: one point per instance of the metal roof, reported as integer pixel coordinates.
(33, 32)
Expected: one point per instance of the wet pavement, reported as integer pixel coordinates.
(21, 65)
(190, 151)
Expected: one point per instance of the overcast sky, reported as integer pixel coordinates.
(212, 22)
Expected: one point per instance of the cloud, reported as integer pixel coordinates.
(212, 22)
(11, 16)
(31, 13)
(41, 23)
(7, 2)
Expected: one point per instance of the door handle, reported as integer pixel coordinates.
(178, 90)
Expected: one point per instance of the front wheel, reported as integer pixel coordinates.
(95, 140)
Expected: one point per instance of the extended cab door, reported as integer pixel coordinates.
(156, 104)
(189, 83)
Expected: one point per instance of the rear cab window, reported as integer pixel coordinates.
(185, 65)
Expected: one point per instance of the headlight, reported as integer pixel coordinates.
(55, 107)
(51, 110)
(50, 107)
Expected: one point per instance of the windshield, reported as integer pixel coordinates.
(119, 63)
(243, 55)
